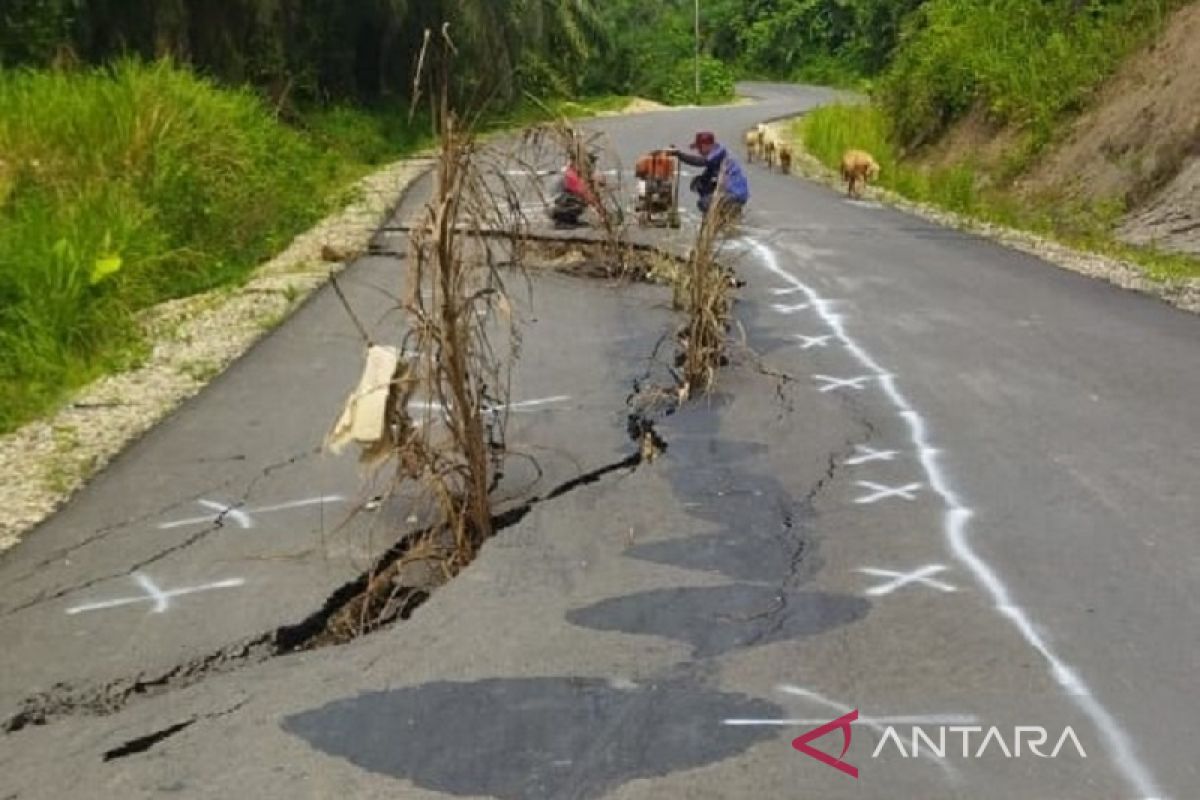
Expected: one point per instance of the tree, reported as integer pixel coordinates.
(362, 50)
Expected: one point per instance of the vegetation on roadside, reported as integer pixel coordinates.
(966, 189)
(126, 185)
(1019, 66)
(830, 131)
(823, 41)
(1028, 64)
(649, 50)
(127, 182)
(1022, 62)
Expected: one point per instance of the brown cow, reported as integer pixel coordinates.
(770, 150)
(753, 144)
(858, 167)
(785, 158)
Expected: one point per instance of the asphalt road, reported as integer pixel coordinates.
(972, 505)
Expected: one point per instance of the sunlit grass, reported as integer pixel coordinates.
(1021, 62)
(829, 131)
(124, 186)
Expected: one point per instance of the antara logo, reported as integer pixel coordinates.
(843, 724)
(936, 741)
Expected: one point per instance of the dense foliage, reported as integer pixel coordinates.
(1017, 61)
(822, 40)
(929, 61)
(1023, 60)
(349, 49)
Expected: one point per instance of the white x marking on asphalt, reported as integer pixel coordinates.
(809, 342)
(868, 454)
(899, 580)
(244, 518)
(884, 492)
(153, 594)
(830, 384)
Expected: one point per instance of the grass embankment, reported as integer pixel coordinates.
(126, 186)
(1027, 68)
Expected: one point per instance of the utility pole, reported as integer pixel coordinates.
(697, 51)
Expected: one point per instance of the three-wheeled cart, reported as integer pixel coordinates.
(657, 174)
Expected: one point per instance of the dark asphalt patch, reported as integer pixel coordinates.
(762, 536)
(533, 738)
(719, 619)
(738, 555)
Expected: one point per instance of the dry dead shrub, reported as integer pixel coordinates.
(451, 394)
(704, 289)
(446, 410)
(557, 143)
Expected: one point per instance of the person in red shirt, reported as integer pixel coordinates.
(573, 196)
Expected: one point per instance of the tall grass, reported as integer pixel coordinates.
(124, 186)
(356, 137)
(829, 131)
(1024, 62)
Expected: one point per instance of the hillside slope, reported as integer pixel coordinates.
(1140, 143)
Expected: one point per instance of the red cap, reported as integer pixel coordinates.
(704, 137)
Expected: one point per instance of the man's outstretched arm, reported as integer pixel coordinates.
(689, 159)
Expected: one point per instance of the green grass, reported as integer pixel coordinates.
(125, 186)
(1025, 65)
(828, 70)
(1023, 62)
(829, 131)
(357, 137)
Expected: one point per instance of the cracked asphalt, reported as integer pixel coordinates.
(944, 484)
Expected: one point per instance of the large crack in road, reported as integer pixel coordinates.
(65, 700)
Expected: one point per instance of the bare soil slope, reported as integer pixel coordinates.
(1171, 219)
(1140, 141)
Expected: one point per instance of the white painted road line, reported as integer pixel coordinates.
(916, 720)
(240, 517)
(245, 517)
(523, 405)
(153, 594)
(956, 517)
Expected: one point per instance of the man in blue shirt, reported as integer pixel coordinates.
(721, 170)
